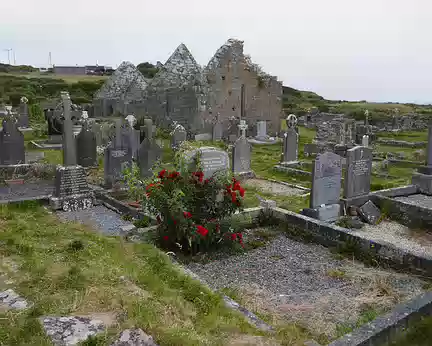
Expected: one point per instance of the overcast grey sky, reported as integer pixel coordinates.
(375, 50)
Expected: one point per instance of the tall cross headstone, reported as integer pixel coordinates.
(23, 120)
(290, 141)
(358, 172)
(71, 190)
(241, 153)
(326, 186)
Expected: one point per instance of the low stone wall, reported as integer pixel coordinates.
(402, 144)
(384, 329)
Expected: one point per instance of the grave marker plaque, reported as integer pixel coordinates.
(358, 172)
(211, 160)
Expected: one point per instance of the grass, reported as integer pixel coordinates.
(68, 269)
(70, 79)
(419, 334)
(409, 136)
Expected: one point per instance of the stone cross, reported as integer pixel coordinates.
(69, 146)
(131, 120)
(23, 120)
(243, 127)
(366, 113)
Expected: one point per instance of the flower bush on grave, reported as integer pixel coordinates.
(189, 208)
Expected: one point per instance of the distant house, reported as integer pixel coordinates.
(70, 70)
(82, 70)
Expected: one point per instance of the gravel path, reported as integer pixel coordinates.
(417, 242)
(26, 190)
(99, 217)
(305, 283)
(417, 199)
(273, 187)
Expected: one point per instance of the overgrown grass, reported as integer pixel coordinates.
(103, 274)
(409, 136)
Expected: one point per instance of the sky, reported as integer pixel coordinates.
(374, 50)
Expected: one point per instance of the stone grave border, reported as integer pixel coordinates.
(46, 146)
(401, 144)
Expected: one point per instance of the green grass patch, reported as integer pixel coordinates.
(67, 269)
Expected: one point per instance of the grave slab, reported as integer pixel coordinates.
(370, 213)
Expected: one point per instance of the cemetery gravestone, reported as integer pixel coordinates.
(365, 141)
(86, 147)
(370, 213)
(290, 146)
(358, 172)
(71, 191)
(217, 131)
(23, 120)
(241, 155)
(210, 160)
(178, 136)
(149, 152)
(261, 130)
(326, 185)
(12, 149)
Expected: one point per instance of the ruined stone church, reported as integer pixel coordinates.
(184, 92)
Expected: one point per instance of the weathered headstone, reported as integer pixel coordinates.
(290, 141)
(326, 186)
(149, 152)
(12, 149)
(23, 120)
(86, 147)
(365, 141)
(241, 154)
(210, 160)
(217, 131)
(178, 136)
(232, 130)
(358, 172)
(261, 130)
(71, 191)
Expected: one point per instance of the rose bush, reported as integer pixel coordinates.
(189, 208)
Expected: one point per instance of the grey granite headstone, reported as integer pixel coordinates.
(12, 149)
(261, 130)
(326, 185)
(178, 136)
(326, 180)
(241, 156)
(210, 160)
(97, 130)
(217, 132)
(290, 146)
(149, 153)
(116, 161)
(370, 213)
(71, 191)
(86, 147)
(358, 172)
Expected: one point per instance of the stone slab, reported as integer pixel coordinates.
(290, 170)
(329, 213)
(423, 182)
(370, 213)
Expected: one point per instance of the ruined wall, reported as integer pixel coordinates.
(226, 72)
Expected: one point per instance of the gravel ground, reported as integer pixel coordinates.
(306, 283)
(418, 199)
(417, 242)
(29, 190)
(99, 217)
(273, 187)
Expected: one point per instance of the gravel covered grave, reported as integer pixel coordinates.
(99, 217)
(418, 200)
(273, 187)
(28, 190)
(295, 281)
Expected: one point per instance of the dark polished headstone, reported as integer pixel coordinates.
(71, 190)
(86, 147)
(149, 152)
(12, 148)
(358, 172)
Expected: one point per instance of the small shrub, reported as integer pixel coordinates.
(76, 246)
(189, 209)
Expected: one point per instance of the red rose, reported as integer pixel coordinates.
(199, 175)
(206, 181)
(165, 237)
(233, 196)
(237, 186)
(233, 236)
(239, 235)
(242, 191)
(202, 230)
(162, 173)
(173, 175)
(187, 215)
